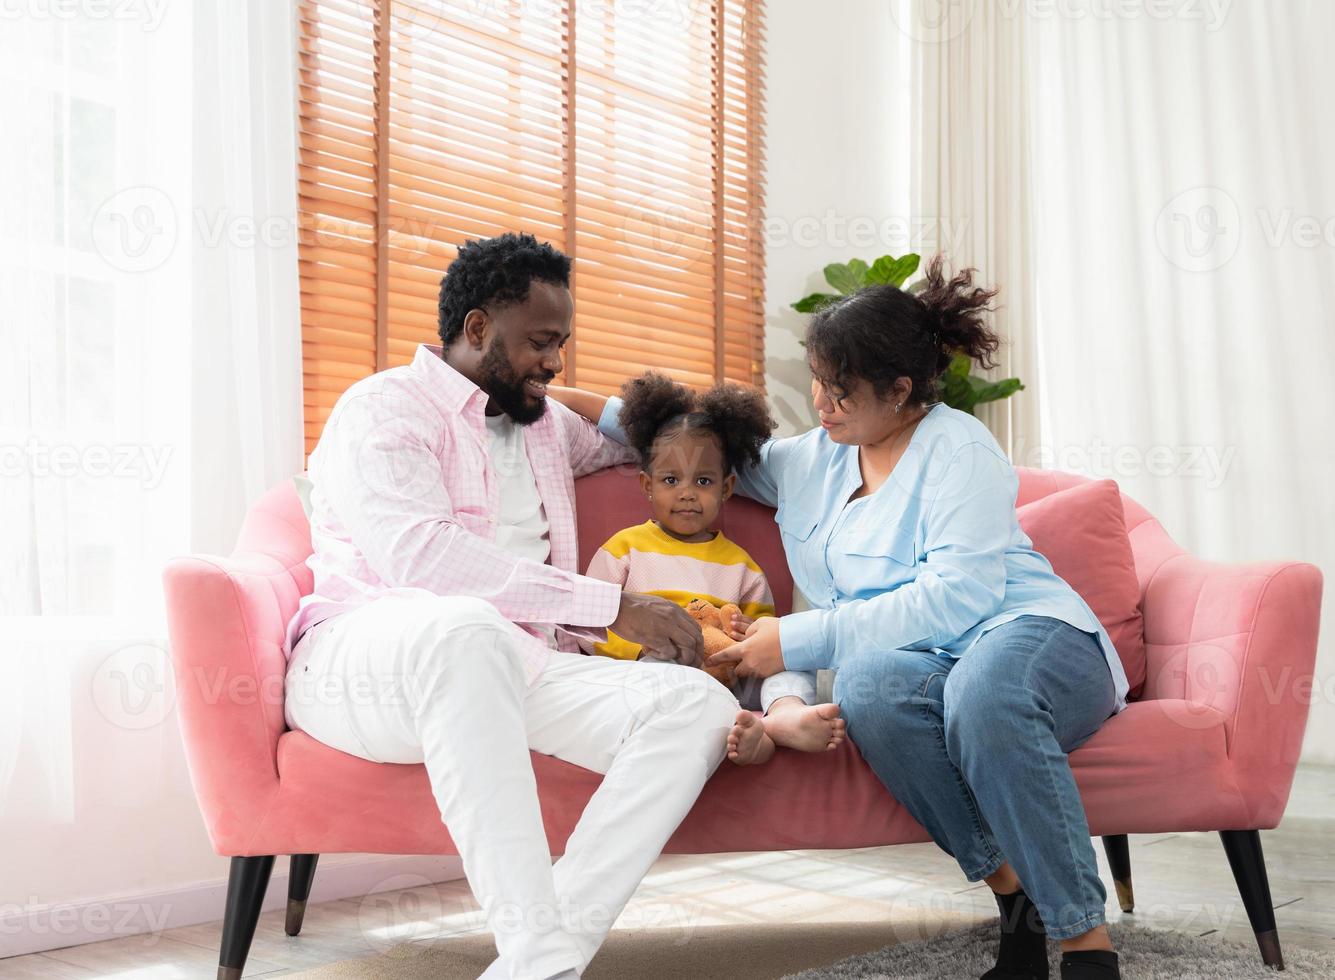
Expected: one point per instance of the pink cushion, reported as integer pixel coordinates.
(1082, 532)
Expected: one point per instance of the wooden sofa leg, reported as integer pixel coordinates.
(300, 876)
(1243, 848)
(246, 883)
(1119, 862)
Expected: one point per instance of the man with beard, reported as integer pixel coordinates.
(442, 628)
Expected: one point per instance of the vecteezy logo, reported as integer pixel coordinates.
(135, 229)
(400, 912)
(1200, 229)
(933, 21)
(666, 228)
(133, 687)
(412, 22)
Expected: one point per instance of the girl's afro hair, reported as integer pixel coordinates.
(655, 405)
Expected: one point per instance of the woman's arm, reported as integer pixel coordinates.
(761, 481)
(587, 403)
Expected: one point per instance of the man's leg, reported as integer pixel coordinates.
(657, 732)
(441, 680)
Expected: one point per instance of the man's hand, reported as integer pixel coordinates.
(661, 627)
(759, 655)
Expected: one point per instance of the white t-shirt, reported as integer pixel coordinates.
(521, 525)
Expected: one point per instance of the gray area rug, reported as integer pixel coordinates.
(950, 951)
(1145, 954)
(749, 952)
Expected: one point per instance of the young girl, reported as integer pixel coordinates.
(689, 446)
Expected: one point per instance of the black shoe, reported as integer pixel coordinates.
(1023, 954)
(1090, 964)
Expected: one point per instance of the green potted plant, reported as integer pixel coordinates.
(960, 387)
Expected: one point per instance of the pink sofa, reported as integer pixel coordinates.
(1211, 744)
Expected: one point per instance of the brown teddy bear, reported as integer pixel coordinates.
(711, 619)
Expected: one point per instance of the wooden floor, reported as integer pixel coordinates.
(1182, 883)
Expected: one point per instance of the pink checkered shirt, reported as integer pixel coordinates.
(405, 499)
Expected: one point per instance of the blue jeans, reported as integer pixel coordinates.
(975, 749)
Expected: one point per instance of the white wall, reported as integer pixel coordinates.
(836, 165)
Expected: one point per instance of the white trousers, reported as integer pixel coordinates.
(440, 680)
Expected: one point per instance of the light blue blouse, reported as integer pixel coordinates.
(931, 560)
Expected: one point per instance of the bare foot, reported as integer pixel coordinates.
(807, 728)
(748, 744)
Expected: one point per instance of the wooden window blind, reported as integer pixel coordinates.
(627, 135)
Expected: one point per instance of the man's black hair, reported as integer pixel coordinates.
(494, 273)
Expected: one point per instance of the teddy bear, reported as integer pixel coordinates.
(711, 619)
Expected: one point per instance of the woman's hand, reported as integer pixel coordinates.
(737, 624)
(760, 654)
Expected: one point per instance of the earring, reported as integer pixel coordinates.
(898, 406)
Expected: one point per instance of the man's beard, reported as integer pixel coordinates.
(507, 389)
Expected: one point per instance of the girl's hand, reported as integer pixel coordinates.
(760, 654)
(737, 625)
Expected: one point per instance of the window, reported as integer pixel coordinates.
(627, 134)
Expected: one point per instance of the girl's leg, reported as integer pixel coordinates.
(790, 719)
(793, 719)
(800, 684)
(1028, 693)
(748, 743)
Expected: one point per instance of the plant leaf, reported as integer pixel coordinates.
(848, 277)
(956, 391)
(964, 390)
(893, 271)
(812, 303)
(998, 390)
(960, 366)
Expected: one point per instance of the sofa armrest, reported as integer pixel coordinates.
(226, 635)
(1240, 639)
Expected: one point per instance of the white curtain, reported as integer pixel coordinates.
(246, 365)
(150, 389)
(1185, 234)
(95, 297)
(1153, 187)
(970, 170)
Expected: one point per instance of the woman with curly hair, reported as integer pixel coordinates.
(966, 669)
(690, 447)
